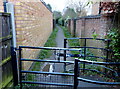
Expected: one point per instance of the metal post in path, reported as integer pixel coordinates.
(76, 74)
(65, 45)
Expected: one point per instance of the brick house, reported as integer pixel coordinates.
(33, 24)
(96, 7)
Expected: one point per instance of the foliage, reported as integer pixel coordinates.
(57, 15)
(76, 42)
(69, 12)
(49, 7)
(79, 6)
(94, 35)
(61, 21)
(114, 35)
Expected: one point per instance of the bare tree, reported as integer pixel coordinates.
(79, 6)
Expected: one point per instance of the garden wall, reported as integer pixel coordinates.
(89, 25)
(34, 24)
(1, 6)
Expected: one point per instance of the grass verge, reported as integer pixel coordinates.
(70, 42)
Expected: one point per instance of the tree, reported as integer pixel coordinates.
(78, 6)
(69, 13)
(49, 7)
(57, 15)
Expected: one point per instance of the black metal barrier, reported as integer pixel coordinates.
(73, 82)
(85, 47)
(23, 73)
(77, 72)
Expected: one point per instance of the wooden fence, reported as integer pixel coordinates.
(5, 45)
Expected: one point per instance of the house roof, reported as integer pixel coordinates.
(109, 7)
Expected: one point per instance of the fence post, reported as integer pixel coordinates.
(14, 66)
(76, 74)
(84, 55)
(20, 67)
(74, 31)
(4, 4)
(65, 45)
(107, 53)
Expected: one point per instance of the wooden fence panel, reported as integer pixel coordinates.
(5, 45)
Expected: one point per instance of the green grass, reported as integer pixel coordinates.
(50, 43)
(76, 42)
(71, 42)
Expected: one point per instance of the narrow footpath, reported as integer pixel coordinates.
(57, 67)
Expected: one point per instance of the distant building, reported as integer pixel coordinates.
(103, 7)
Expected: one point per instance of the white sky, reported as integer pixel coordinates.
(56, 4)
(59, 5)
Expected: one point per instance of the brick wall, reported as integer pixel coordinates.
(86, 26)
(1, 6)
(34, 24)
(71, 26)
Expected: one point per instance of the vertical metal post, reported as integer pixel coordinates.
(20, 67)
(14, 66)
(76, 74)
(107, 53)
(65, 45)
(84, 55)
(4, 4)
(74, 31)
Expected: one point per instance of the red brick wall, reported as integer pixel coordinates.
(85, 27)
(71, 26)
(80, 24)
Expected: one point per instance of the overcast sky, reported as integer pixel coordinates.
(59, 5)
(56, 4)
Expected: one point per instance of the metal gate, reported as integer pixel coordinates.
(46, 78)
(83, 61)
(65, 78)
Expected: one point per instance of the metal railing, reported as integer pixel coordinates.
(55, 77)
(77, 72)
(85, 47)
(42, 81)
